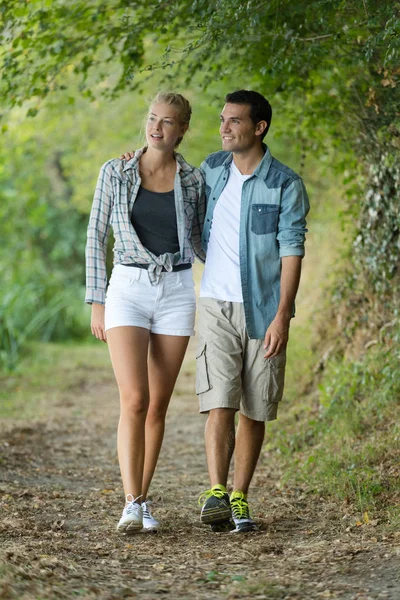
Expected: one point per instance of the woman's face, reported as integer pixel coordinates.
(163, 127)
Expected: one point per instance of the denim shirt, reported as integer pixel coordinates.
(272, 225)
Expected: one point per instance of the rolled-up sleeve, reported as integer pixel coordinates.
(292, 219)
(97, 238)
(198, 220)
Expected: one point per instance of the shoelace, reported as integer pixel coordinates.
(146, 508)
(208, 493)
(130, 503)
(240, 508)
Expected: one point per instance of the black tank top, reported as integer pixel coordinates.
(154, 219)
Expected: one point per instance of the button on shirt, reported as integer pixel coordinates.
(221, 277)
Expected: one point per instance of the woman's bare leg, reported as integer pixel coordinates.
(128, 350)
(165, 360)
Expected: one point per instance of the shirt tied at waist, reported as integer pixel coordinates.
(155, 269)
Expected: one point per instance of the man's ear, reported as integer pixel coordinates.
(261, 127)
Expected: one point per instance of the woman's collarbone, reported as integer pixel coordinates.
(157, 184)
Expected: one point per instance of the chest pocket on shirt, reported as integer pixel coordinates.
(264, 218)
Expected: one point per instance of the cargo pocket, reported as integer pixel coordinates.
(202, 378)
(264, 218)
(276, 378)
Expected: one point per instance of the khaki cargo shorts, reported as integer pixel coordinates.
(231, 371)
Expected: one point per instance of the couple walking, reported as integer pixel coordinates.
(243, 214)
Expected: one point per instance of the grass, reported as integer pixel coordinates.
(49, 369)
(344, 440)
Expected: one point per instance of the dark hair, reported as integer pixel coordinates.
(260, 108)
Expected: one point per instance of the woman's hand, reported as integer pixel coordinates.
(97, 322)
(127, 155)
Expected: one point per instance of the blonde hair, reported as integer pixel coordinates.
(181, 105)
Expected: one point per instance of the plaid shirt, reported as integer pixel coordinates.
(117, 187)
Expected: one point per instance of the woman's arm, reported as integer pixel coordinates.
(96, 250)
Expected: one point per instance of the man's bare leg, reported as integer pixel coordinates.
(249, 441)
(220, 443)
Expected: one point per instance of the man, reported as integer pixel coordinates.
(254, 235)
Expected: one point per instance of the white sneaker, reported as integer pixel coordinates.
(149, 522)
(132, 516)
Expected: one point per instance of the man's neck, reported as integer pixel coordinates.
(248, 161)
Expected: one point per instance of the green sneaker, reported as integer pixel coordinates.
(241, 513)
(216, 510)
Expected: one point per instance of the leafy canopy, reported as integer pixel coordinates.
(305, 46)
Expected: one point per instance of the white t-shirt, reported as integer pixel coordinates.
(221, 277)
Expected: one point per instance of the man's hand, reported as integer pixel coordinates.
(127, 155)
(97, 322)
(276, 337)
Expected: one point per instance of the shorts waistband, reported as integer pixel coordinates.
(182, 267)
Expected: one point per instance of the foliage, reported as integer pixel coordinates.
(348, 447)
(378, 241)
(27, 308)
(367, 295)
(331, 68)
(337, 61)
(334, 64)
(305, 47)
(42, 246)
(380, 218)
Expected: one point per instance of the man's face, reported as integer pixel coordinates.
(237, 130)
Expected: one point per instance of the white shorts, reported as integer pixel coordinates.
(167, 307)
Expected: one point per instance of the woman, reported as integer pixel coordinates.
(155, 205)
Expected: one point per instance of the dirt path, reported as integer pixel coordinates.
(60, 499)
